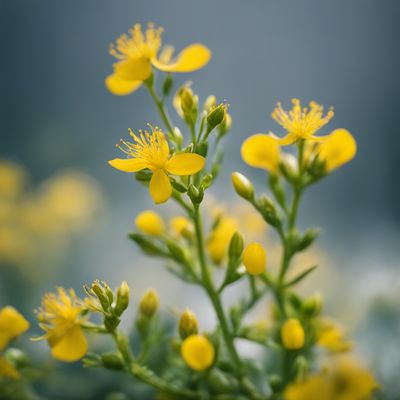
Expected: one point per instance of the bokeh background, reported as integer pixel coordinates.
(58, 120)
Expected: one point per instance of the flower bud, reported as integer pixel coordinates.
(147, 245)
(198, 352)
(195, 194)
(181, 226)
(292, 334)
(187, 99)
(112, 361)
(122, 301)
(312, 306)
(149, 303)
(100, 292)
(307, 239)
(210, 102)
(275, 381)
(236, 246)
(177, 252)
(188, 324)
(167, 85)
(150, 223)
(243, 187)
(225, 126)
(254, 259)
(216, 115)
(178, 136)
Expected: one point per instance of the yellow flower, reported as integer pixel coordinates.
(292, 334)
(345, 379)
(254, 259)
(332, 337)
(12, 324)
(151, 151)
(151, 223)
(181, 226)
(198, 352)
(261, 151)
(337, 149)
(301, 123)
(60, 316)
(219, 238)
(137, 52)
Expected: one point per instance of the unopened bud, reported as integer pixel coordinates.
(275, 381)
(187, 99)
(112, 361)
(122, 301)
(216, 115)
(167, 85)
(98, 289)
(178, 136)
(210, 102)
(312, 306)
(149, 303)
(292, 334)
(243, 187)
(307, 239)
(288, 166)
(236, 246)
(177, 252)
(225, 125)
(188, 324)
(195, 194)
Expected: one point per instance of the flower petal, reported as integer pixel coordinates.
(337, 149)
(261, 151)
(185, 164)
(160, 187)
(133, 69)
(128, 164)
(290, 138)
(191, 58)
(12, 324)
(119, 86)
(71, 347)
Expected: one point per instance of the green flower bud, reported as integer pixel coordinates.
(225, 126)
(149, 303)
(188, 324)
(307, 239)
(112, 361)
(167, 85)
(236, 246)
(243, 186)
(195, 194)
(312, 306)
(177, 252)
(187, 99)
(122, 301)
(275, 381)
(216, 115)
(99, 290)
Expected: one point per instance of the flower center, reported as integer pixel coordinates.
(149, 147)
(302, 122)
(137, 44)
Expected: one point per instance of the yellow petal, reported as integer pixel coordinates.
(133, 69)
(71, 347)
(261, 151)
(12, 324)
(338, 148)
(128, 164)
(119, 86)
(185, 164)
(290, 138)
(191, 58)
(7, 370)
(160, 187)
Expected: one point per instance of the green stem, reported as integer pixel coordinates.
(211, 291)
(161, 108)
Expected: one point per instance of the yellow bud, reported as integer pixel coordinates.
(243, 187)
(292, 334)
(149, 303)
(198, 352)
(150, 223)
(211, 101)
(122, 301)
(187, 99)
(337, 149)
(254, 259)
(188, 324)
(181, 226)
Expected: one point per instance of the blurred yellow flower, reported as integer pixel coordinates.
(254, 259)
(301, 123)
(292, 334)
(337, 149)
(12, 324)
(12, 179)
(151, 151)
(344, 379)
(332, 337)
(220, 237)
(138, 52)
(181, 226)
(261, 151)
(150, 223)
(60, 316)
(198, 352)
